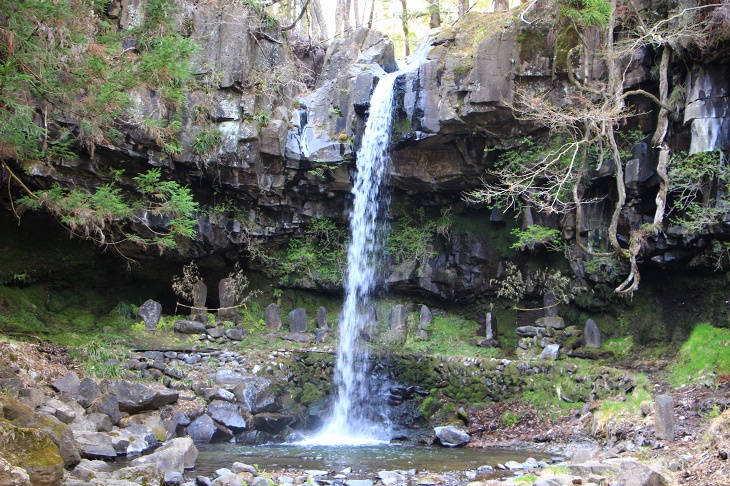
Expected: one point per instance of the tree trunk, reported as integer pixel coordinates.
(404, 23)
(338, 17)
(346, 25)
(370, 18)
(501, 5)
(356, 13)
(319, 19)
(463, 7)
(657, 140)
(435, 11)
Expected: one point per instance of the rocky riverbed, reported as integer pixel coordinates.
(61, 427)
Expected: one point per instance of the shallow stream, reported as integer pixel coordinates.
(362, 459)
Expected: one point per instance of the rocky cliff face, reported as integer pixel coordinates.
(286, 152)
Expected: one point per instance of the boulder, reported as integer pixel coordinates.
(202, 429)
(150, 313)
(32, 397)
(633, 473)
(58, 409)
(551, 351)
(297, 337)
(215, 332)
(107, 404)
(322, 335)
(236, 334)
(257, 395)
(555, 322)
(591, 335)
(226, 413)
(664, 417)
(298, 321)
(59, 433)
(68, 383)
(450, 436)
(95, 445)
(87, 469)
(88, 392)
(527, 331)
(273, 423)
(136, 397)
(13, 475)
(175, 455)
(189, 327)
(32, 450)
(224, 377)
(273, 318)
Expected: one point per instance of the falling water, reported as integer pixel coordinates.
(352, 422)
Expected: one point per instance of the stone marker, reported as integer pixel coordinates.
(491, 340)
(189, 327)
(150, 313)
(425, 318)
(200, 294)
(298, 320)
(398, 317)
(550, 302)
(422, 335)
(322, 318)
(591, 335)
(664, 417)
(273, 318)
(227, 299)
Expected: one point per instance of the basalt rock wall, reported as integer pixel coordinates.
(288, 141)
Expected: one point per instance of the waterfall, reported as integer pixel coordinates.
(352, 421)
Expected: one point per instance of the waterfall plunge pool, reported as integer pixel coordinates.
(363, 460)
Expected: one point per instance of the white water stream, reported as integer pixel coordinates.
(352, 422)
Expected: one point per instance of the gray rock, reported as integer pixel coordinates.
(202, 429)
(32, 397)
(226, 413)
(322, 318)
(136, 397)
(68, 383)
(189, 327)
(298, 321)
(527, 331)
(398, 317)
(551, 351)
(359, 482)
(257, 395)
(633, 473)
(88, 392)
(150, 313)
(322, 335)
(238, 467)
(513, 465)
(581, 456)
(215, 332)
(273, 423)
(224, 376)
(13, 475)
(220, 394)
(298, 337)
(175, 455)
(553, 322)
(591, 335)
(58, 409)
(174, 478)
(451, 436)
(425, 318)
(490, 326)
(422, 335)
(11, 385)
(664, 417)
(273, 318)
(102, 422)
(107, 404)
(236, 334)
(59, 433)
(95, 445)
